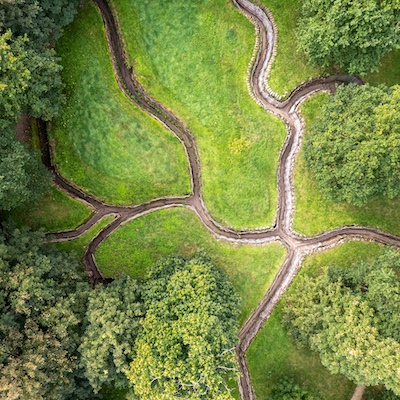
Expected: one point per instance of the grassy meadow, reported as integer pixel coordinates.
(54, 211)
(104, 143)
(137, 245)
(273, 356)
(192, 56)
(290, 67)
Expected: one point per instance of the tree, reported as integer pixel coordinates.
(42, 301)
(186, 346)
(41, 20)
(14, 75)
(354, 34)
(353, 147)
(341, 316)
(22, 176)
(114, 314)
(29, 79)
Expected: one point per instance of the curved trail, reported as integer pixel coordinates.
(296, 245)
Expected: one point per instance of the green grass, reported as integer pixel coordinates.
(290, 67)
(137, 245)
(54, 211)
(192, 56)
(389, 72)
(343, 256)
(273, 355)
(104, 143)
(78, 245)
(314, 213)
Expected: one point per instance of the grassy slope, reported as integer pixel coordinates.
(192, 56)
(290, 67)
(314, 213)
(55, 211)
(104, 143)
(78, 245)
(272, 355)
(138, 244)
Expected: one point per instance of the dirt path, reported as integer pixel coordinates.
(282, 231)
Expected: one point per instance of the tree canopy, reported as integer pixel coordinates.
(43, 296)
(186, 346)
(114, 315)
(354, 34)
(30, 82)
(351, 318)
(23, 178)
(41, 20)
(353, 147)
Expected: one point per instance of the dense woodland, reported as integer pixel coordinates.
(173, 332)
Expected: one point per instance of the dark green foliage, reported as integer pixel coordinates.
(44, 96)
(186, 346)
(378, 284)
(29, 82)
(43, 298)
(353, 147)
(28, 67)
(383, 395)
(22, 176)
(114, 314)
(29, 79)
(289, 390)
(354, 34)
(351, 318)
(41, 20)
(14, 77)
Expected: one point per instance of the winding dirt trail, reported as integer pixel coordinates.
(297, 246)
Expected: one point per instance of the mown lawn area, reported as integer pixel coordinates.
(104, 143)
(54, 211)
(140, 243)
(314, 213)
(192, 56)
(273, 356)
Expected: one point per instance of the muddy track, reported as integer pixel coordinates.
(297, 245)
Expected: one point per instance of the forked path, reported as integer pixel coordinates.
(297, 246)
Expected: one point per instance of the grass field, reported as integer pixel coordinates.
(290, 67)
(192, 56)
(137, 245)
(78, 245)
(104, 143)
(273, 356)
(55, 211)
(389, 72)
(314, 213)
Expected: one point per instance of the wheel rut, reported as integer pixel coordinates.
(297, 246)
